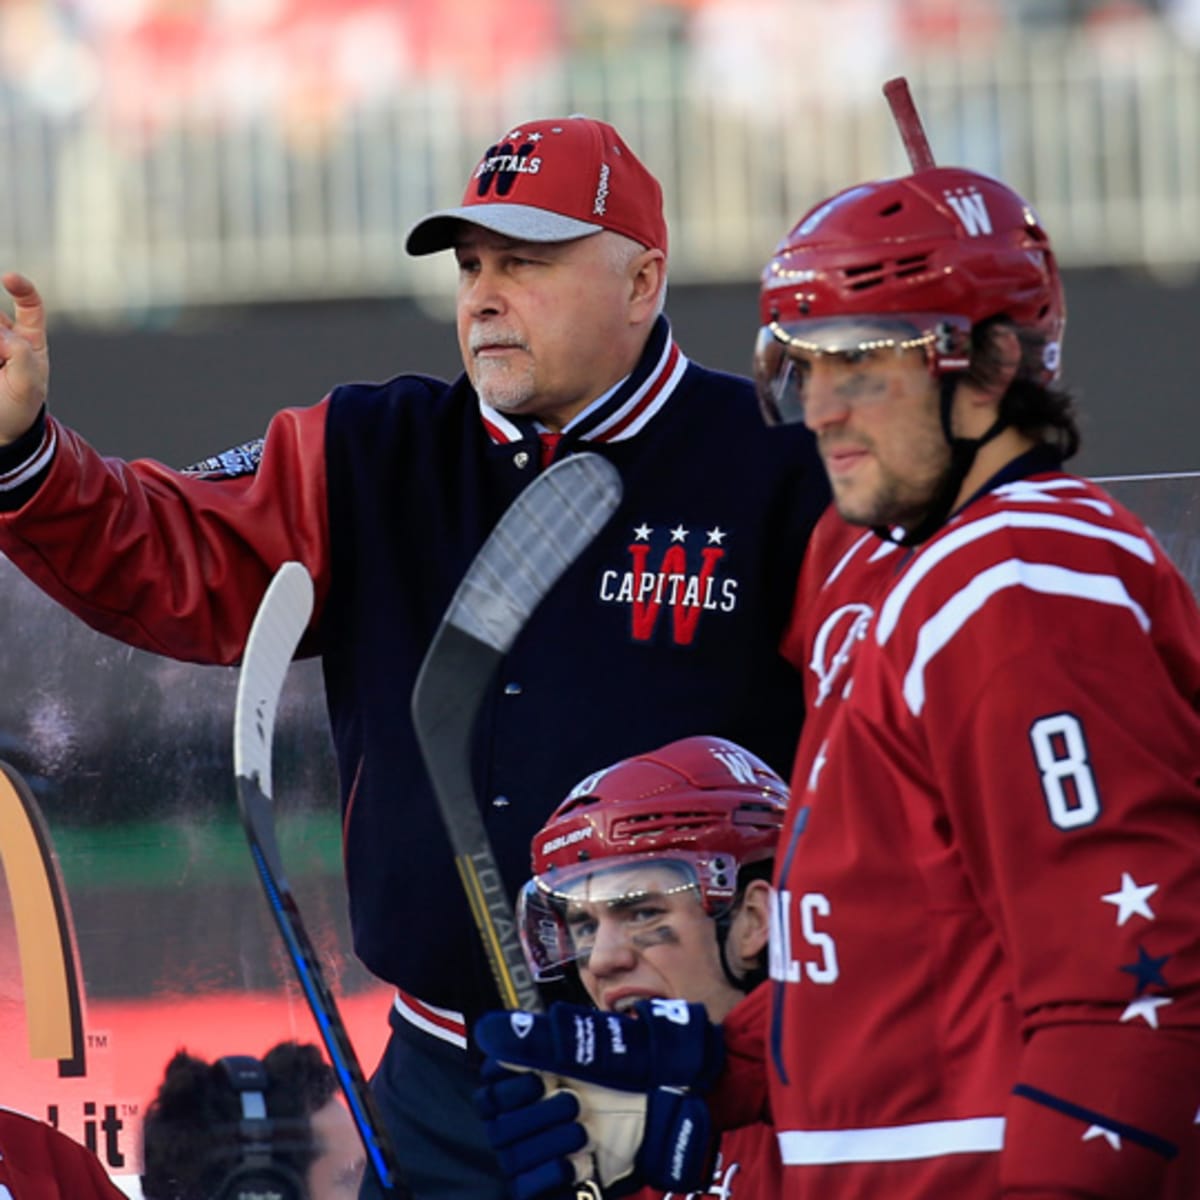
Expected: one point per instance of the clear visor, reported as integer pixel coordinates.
(785, 351)
(559, 917)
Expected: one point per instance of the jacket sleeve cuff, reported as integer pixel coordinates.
(25, 462)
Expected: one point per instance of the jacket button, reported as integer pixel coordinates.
(500, 802)
(521, 459)
(512, 689)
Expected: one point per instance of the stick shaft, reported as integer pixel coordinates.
(278, 626)
(908, 122)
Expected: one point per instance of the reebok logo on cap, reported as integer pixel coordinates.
(551, 181)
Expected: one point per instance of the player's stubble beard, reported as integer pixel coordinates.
(896, 495)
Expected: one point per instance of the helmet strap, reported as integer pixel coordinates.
(962, 458)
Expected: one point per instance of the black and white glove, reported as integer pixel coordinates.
(624, 1104)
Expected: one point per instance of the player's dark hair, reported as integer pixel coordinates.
(190, 1139)
(1033, 408)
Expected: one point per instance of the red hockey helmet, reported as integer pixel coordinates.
(919, 260)
(704, 807)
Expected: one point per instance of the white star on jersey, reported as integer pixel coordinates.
(716, 535)
(642, 532)
(679, 534)
(1147, 1008)
(1131, 900)
(1113, 1139)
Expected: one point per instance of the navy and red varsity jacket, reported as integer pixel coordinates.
(667, 625)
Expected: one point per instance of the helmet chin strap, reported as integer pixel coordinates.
(962, 458)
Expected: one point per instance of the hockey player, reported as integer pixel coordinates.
(651, 883)
(669, 623)
(985, 975)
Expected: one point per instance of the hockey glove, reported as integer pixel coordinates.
(646, 1128)
(668, 1044)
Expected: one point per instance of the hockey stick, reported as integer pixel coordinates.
(279, 624)
(908, 122)
(535, 541)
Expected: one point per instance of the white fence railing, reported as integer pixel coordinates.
(202, 212)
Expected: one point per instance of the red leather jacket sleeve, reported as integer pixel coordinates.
(172, 562)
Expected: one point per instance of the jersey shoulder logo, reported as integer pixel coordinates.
(833, 646)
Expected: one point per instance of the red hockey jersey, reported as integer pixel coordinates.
(39, 1163)
(985, 961)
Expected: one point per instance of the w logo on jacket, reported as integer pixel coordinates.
(672, 581)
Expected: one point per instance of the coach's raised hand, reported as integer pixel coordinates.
(24, 359)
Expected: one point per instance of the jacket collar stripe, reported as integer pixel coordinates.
(632, 404)
(647, 401)
(499, 428)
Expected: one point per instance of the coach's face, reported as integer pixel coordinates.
(546, 328)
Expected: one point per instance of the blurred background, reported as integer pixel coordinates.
(213, 194)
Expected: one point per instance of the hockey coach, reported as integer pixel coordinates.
(666, 626)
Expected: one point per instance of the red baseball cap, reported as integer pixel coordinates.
(550, 181)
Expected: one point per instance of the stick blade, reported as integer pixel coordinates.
(282, 617)
(539, 536)
(279, 624)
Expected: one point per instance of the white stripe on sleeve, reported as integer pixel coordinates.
(938, 551)
(937, 632)
(891, 1143)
